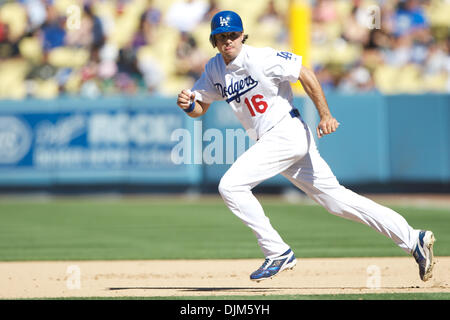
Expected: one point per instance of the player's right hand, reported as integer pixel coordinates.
(185, 98)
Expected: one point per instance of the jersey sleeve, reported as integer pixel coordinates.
(204, 88)
(282, 65)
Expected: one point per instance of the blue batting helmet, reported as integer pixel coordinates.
(225, 21)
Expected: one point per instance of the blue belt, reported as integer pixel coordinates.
(294, 113)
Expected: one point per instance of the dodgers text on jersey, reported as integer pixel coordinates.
(236, 89)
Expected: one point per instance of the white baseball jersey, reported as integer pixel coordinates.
(256, 84)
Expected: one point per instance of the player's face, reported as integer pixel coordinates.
(229, 44)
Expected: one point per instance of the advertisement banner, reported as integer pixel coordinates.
(91, 142)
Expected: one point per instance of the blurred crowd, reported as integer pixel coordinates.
(101, 48)
(390, 46)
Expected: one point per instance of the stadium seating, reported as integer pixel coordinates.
(121, 25)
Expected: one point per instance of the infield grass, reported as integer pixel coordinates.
(179, 228)
(369, 296)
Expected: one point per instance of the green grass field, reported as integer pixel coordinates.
(369, 296)
(177, 228)
(171, 228)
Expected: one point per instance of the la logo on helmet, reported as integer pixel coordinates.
(224, 21)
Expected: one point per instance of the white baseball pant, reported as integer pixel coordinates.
(289, 149)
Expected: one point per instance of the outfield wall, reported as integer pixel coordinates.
(150, 141)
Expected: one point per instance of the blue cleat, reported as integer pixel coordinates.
(271, 267)
(423, 253)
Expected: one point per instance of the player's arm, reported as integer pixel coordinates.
(185, 100)
(313, 89)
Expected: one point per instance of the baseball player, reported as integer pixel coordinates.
(255, 82)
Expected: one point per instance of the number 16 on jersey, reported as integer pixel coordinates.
(257, 104)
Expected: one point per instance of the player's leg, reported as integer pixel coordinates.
(272, 154)
(312, 175)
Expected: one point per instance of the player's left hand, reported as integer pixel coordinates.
(326, 126)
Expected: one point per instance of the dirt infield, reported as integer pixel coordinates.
(215, 278)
